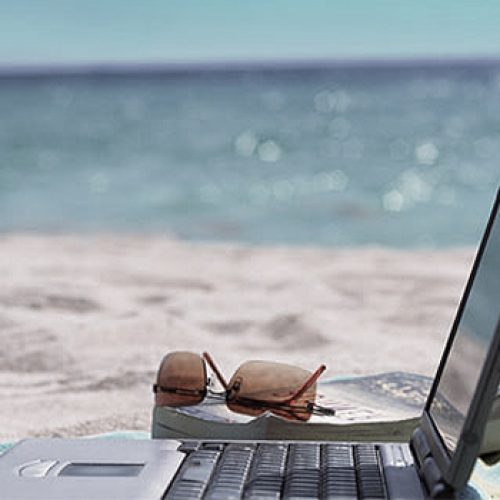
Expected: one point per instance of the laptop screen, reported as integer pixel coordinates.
(475, 329)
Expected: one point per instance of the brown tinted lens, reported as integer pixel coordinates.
(185, 373)
(271, 383)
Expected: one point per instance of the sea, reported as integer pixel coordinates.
(337, 154)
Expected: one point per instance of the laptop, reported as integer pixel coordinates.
(435, 463)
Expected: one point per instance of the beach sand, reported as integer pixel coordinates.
(85, 320)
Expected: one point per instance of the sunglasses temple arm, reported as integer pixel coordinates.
(214, 368)
(307, 384)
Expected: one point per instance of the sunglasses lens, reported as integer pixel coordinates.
(273, 384)
(182, 380)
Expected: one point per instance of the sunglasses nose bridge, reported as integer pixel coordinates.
(215, 369)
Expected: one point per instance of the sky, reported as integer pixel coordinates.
(47, 32)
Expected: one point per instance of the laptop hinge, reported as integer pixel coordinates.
(427, 467)
(419, 447)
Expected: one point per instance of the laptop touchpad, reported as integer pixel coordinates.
(101, 470)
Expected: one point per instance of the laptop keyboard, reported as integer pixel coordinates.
(218, 471)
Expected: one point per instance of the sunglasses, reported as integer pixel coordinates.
(255, 387)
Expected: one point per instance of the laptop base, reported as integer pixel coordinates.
(156, 469)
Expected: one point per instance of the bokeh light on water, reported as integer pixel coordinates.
(341, 156)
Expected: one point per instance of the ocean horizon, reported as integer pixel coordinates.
(229, 65)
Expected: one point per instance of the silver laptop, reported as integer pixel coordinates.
(436, 463)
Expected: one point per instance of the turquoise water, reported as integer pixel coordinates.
(396, 155)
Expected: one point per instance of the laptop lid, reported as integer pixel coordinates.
(466, 382)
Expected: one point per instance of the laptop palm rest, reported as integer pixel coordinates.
(89, 468)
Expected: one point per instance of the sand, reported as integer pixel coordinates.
(85, 320)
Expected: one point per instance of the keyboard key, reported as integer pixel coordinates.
(303, 471)
(230, 476)
(338, 472)
(213, 446)
(338, 455)
(268, 470)
(194, 475)
(189, 446)
(369, 474)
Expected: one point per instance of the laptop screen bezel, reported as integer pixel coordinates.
(456, 467)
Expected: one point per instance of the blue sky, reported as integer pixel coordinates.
(122, 31)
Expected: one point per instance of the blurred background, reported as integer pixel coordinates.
(266, 122)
